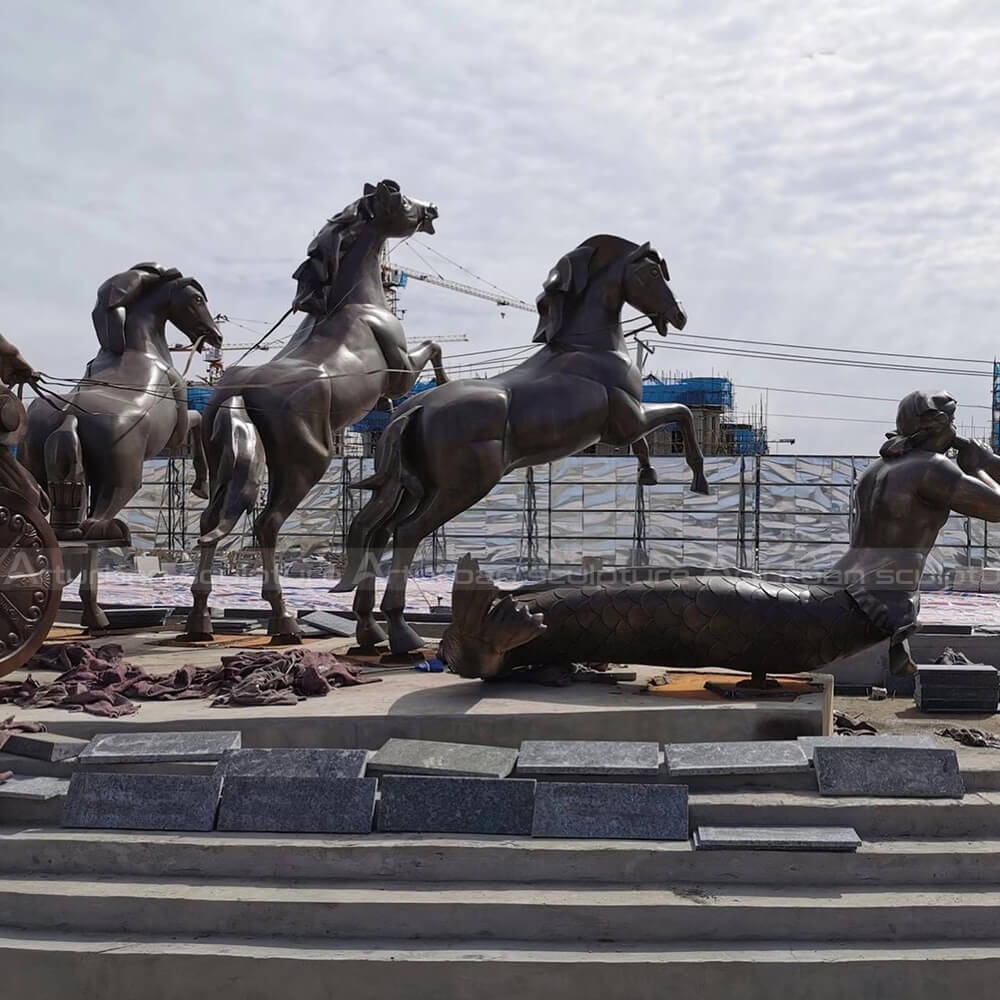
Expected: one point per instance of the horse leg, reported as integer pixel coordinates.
(93, 617)
(116, 484)
(287, 489)
(628, 420)
(197, 444)
(199, 621)
(647, 474)
(429, 515)
(368, 632)
(428, 351)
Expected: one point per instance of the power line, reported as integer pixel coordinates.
(843, 395)
(674, 344)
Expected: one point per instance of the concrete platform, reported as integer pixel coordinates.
(414, 705)
(444, 707)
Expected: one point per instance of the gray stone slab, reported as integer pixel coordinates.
(809, 743)
(110, 801)
(422, 804)
(934, 704)
(331, 624)
(43, 746)
(776, 838)
(976, 675)
(293, 804)
(442, 759)
(888, 772)
(587, 757)
(758, 757)
(629, 811)
(38, 788)
(286, 762)
(153, 748)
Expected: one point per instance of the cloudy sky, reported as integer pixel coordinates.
(816, 174)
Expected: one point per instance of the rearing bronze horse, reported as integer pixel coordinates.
(347, 353)
(87, 449)
(445, 449)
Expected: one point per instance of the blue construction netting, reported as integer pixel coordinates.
(198, 397)
(690, 391)
(996, 406)
(375, 421)
(749, 441)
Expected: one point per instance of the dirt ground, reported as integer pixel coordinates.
(900, 715)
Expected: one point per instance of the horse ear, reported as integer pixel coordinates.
(387, 195)
(570, 274)
(124, 288)
(580, 264)
(368, 189)
(109, 325)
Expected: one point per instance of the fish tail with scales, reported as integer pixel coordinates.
(740, 623)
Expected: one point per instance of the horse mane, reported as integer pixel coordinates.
(316, 276)
(569, 279)
(121, 291)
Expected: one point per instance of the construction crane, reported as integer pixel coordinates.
(216, 366)
(396, 277)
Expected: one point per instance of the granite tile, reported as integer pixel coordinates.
(607, 757)
(399, 756)
(627, 811)
(110, 801)
(888, 772)
(295, 804)
(288, 762)
(153, 748)
(757, 757)
(43, 746)
(776, 838)
(419, 804)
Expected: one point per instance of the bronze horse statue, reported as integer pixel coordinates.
(130, 405)
(347, 354)
(445, 449)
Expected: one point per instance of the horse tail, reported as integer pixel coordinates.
(238, 471)
(64, 475)
(397, 489)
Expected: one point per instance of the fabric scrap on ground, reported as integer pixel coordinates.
(100, 681)
(970, 737)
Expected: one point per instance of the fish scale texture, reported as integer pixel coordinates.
(716, 621)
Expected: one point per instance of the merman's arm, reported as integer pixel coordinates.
(966, 487)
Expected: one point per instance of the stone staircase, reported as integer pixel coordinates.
(914, 913)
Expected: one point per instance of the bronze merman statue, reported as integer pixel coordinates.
(744, 623)
(88, 448)
(445, 449)
(285, 416)
(30, 564)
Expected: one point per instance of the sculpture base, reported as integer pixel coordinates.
(440, 706)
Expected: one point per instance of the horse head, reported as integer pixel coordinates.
(622, 271)
(165, 291)
(383, 211)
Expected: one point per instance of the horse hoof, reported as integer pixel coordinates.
(284, 627)
(199, 489)
(700, 484)
(287, 639)
(402, 638)
(647, 476)
(112, 530)
(369, 633)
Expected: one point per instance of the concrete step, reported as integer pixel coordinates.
(111, 967)
(977, 815)
(428, 859)
(502, 911)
